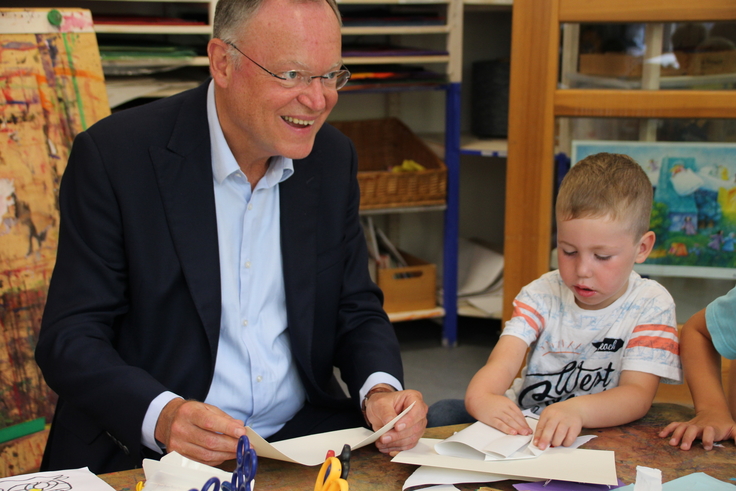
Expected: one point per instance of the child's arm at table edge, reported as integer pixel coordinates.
(485, 399)
(702, 366)
(560, 423)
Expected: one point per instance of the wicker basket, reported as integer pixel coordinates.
(382, 144)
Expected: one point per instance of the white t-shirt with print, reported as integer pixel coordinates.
(576, 351)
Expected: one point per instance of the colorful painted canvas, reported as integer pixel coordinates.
(51, 88)
(694, 212)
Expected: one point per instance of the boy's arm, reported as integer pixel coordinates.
(485, 399)
(732, 389)
(560, 423)
(702, 364)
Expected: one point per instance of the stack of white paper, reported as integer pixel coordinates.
(480, 453)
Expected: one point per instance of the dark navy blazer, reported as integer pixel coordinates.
(134, 303)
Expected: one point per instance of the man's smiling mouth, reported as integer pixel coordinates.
(297, 122)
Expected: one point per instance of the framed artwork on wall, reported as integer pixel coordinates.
(694, 210)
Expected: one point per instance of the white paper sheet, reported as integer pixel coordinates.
(561, 463)
(425, 476)
(478, 267)
(648, 479)
(68, 479)
(176, 472)
(311, 449)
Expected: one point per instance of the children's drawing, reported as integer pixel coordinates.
(38, 482)
(694, 211)
(66, 480)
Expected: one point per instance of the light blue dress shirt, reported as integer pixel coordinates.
(255, 377)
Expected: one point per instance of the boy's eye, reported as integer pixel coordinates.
(568, 253)
(602, 258)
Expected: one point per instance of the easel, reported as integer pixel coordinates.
(51, 88)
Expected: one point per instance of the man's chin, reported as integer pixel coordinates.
(298, 152)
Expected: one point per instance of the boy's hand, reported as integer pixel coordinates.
(711, 425)
(559, 424)
(503, 414)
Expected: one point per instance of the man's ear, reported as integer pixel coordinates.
(646, 244)
(220, 63)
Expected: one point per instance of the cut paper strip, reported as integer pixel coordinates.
(561, 463)
(311, 450)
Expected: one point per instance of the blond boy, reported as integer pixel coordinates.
(600, 336)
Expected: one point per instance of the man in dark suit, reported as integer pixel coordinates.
(211, 268)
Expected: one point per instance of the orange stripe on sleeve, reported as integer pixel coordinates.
(519, 308)
(655, 342)
(657, 327)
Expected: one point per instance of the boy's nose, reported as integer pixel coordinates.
(582, 268)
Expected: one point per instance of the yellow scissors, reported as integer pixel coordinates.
(329, 478)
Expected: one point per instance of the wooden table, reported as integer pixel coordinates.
(635, 444)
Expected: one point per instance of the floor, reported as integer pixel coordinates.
(439, 372)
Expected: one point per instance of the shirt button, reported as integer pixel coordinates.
(250, 207)
(245, 322)
(247, 264)
(259, 379)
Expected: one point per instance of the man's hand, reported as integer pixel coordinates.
(710, 426)
(502, 413)
(199, 431)
(382, 407)
(559, 424)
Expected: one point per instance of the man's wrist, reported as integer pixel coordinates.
(377, 389)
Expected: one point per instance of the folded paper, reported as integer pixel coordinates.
(311, 449)
(648, 479)
(482, 442)
(560, 463)
(176, 472)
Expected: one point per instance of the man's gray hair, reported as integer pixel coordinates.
(234, 15)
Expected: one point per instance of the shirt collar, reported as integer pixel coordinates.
(223, 160)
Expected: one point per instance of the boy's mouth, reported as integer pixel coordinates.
(584, 291)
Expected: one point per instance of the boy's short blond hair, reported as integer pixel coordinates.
(607, 185)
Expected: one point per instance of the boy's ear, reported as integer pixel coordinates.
(646, 244)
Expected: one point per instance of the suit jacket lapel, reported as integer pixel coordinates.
(298, 197)
(184, 173)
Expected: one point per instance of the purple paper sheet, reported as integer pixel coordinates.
(564, 486)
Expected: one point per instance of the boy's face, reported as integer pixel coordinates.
(596, 256)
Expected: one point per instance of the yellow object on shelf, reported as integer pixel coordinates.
(408, 165)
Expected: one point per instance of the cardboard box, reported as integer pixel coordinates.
(410, 288)
(620, 65)
(624, 65)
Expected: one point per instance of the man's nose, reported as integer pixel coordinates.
(314, 95)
